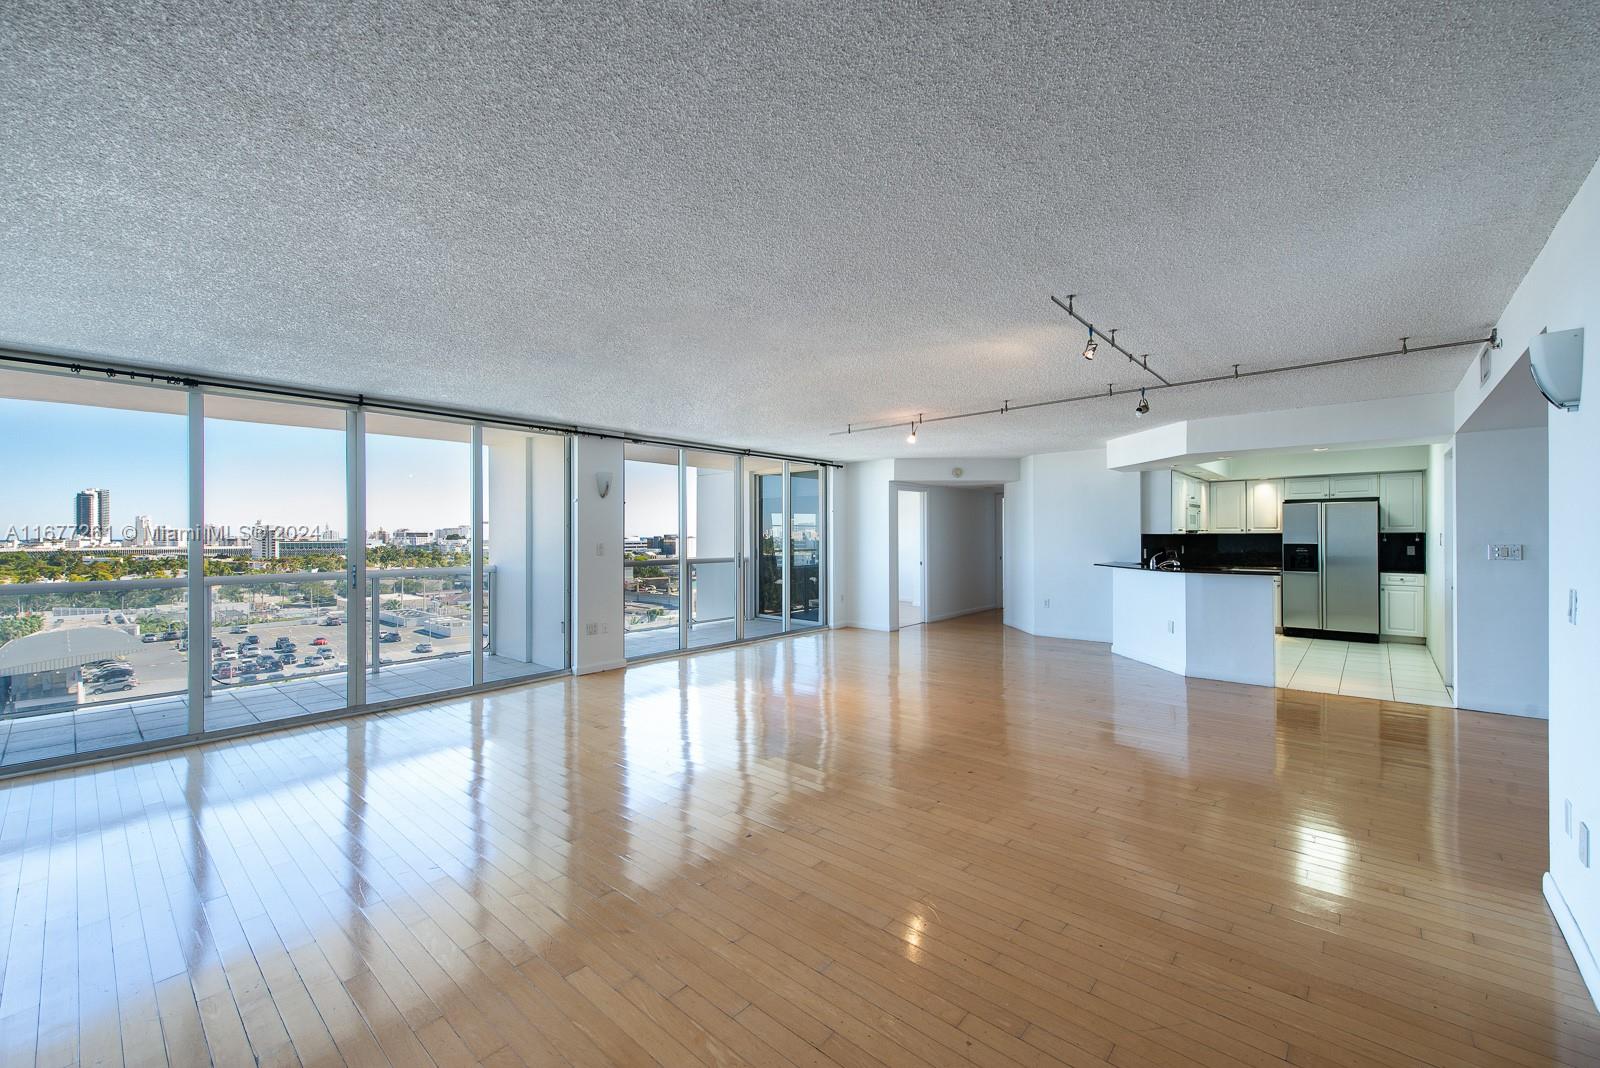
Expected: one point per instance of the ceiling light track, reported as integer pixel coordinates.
(1111, 390)
(1108, 336)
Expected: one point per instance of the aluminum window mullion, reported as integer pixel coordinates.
(738, 549)
(787, 534)
(358, 631)
(199, 593)
(478, 598)
(684, 579)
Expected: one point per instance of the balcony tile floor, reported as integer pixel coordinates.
(1391, 671)
(150, 719)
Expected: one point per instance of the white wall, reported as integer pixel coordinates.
(864, 545)
(597, 556)
(1560, 291)
(1501, 626)
(913, 553)
(962, 552)
(1439, 548)
(1067, 513)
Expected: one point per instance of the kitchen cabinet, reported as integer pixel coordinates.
(1305, 489)
(1264, 506)
(1402, 503)
(1403, 606)
(1226, 512)
(1353, 486)
(1188, 503)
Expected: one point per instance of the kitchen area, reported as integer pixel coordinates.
(1264, 572)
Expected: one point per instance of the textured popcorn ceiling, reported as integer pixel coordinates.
(751, 224)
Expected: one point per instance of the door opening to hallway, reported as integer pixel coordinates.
(912, 586)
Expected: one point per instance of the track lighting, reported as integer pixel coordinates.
(1091, 347)
(1143, 406)
(911, 438)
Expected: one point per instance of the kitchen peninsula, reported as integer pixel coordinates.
(1204, 622)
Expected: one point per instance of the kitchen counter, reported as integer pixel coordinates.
(1205, 623)
(1131, 566)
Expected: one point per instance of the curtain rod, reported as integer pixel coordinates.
(159, 375)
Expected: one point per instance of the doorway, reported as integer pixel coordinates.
(1447, 546)
(911, 608)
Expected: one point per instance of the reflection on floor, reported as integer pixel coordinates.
(107, 726)
(1392, 671)
(658, 640)
(956, 845)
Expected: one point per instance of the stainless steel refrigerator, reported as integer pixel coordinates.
(1330, 568)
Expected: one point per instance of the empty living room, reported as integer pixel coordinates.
(861, 534)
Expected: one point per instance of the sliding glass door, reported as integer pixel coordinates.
(652, 514)
(764, 548)
(805, 516)
(711, 511)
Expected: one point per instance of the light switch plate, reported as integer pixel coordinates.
(1505, 552)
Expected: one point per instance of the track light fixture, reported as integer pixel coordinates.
(911, 438)
(1091, 347)
(1143, 406)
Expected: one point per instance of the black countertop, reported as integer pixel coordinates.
(1130, 566)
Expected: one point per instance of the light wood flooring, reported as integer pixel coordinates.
(954, 845)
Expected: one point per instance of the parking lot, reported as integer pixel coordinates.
(161, 668)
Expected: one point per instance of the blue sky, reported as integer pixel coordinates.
(283, 475)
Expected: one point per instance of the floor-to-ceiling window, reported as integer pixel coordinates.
(764, 547)
(525, 553)
(419, 557)
(806, 526)
(651, 549)
(711, 512)
(94, 643)
(275, 502)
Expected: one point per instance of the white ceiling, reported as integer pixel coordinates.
(750, 225)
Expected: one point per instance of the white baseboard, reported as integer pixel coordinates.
(594, 669)
(942, 616)
(1587, 967)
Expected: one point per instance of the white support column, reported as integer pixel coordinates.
(529, 558)
(477, 602)
(199, 595)
(355, 619)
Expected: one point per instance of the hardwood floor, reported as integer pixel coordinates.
(959, 845)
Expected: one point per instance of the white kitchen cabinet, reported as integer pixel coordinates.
(1402, 606)
(1305, 489)
(1403, 503)
(1188, 503)
(1225, 514)
(1353, 486)
(1264, 506)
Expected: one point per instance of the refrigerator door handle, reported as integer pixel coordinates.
(1322, 567)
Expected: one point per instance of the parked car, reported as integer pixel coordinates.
(423, 647)
(149, 639)
(183, 645)
(319, 641)
(389, 636)
(216, 642)
(116, 671)
(326, 653)
(239, 628)
(311, 661)
(333, 621)
(252, 639)
(115, 686)
(282, 641)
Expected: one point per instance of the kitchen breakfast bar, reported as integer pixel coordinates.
(1207, 623)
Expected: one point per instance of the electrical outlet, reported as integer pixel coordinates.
(1505, 552)
(1047, 602)
(591, 629)
(599, 548)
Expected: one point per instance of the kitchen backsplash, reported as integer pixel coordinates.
(1217, 550)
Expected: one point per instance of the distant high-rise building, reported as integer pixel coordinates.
(143, 530)
(263, 542)
(91, 513)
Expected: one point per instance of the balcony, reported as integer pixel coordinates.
(100, 665)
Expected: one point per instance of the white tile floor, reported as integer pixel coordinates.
(1393, 671)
